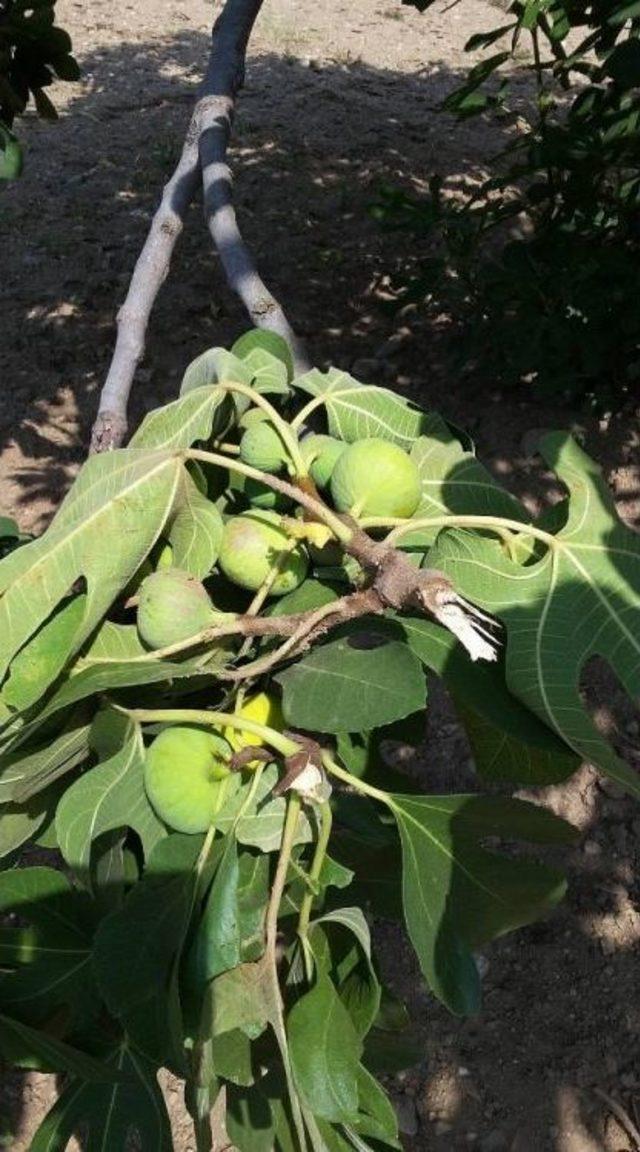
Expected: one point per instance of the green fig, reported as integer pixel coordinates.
(251, 543)
(173, 606)
(321, 454)
(374, 477)
(262, 448)
(183, 774)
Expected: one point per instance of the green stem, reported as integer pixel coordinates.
(301, 416)
(271, 957)
(326, 820)
(268, 735)
(286, 846)
(282, 428)
(264, 590)
(360, 785)
(223, 446)
(489, 523)
(319, 510)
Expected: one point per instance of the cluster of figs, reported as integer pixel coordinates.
(187, 767)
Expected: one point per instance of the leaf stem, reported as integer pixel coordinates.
(319, 510)
(268, 735)
(288, 839)
(310, 407)
(281, 426)
(360, 785)
(326, 820)
(264, 590)
(491, 523)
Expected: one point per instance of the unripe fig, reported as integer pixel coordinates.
(183, 773)
(252, 416)
(259, 495)
(172, 607)
(262, 709)
(375, 478)
(262, 448)
(251, 544)
(321, 454)
(165, 557)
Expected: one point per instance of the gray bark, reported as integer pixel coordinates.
(204, 149)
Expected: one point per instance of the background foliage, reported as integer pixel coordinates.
(33, 51)
(553, 301)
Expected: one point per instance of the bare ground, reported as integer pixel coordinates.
(339, 98)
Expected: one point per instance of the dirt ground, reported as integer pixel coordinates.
(339, 98)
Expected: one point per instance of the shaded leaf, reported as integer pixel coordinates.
(579, 600)
(52, 961)
(110, 1115)
(351, 685)
(135, 946)
(457, 895)
(112, 795)
(507, 739)
(325, 1052)
(30, 1048)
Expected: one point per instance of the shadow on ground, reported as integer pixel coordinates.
(313, 144)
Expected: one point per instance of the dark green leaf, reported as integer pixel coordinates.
(325, 1053)
(110, 1115)
(457, 894)
(50, 962)
(359, 682)
(109, 796)
(31, 1048)
(135, 947)
(508, 741)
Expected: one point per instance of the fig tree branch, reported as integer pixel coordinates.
(203, 159)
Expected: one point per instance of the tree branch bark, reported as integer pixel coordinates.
(205, 146)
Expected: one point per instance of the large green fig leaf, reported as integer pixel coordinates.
(110, 1115)
(136, 947)
(46, 961)
(457, 895)
(325, 1052)
(355, 411)
(104, 529)
(195, 533)
(579, 600)
(195, 416)
(232, 926)
(454, 480)
(117, 659)
(361, 681)
(112, 795)
(26, 773)
(508, 741)
(212, 367)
